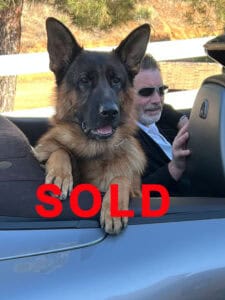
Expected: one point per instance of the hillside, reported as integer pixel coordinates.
(167, 19)
(168, 23)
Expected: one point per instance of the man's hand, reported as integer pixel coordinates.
(183, 121)
(178, 164)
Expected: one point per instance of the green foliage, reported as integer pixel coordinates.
(7, 3)
(143, 13)
(120, 10)
(98, 14)
(89, 14)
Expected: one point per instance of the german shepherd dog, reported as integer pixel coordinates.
(92, 138)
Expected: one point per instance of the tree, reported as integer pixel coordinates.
(10, 34)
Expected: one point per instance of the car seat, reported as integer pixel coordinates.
(20, 172)
(20, 177)
(206, 164)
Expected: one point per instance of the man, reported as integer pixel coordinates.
(163, 144)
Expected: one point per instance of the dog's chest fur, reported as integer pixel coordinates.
(102, 170)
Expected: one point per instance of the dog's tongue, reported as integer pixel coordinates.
(104, 130)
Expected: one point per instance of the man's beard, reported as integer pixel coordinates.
(147, 120)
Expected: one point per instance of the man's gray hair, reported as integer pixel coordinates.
(149, 62)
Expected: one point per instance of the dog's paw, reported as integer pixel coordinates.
(59, 172)
(63, 179)
(112, 225)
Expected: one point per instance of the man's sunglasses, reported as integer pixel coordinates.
(149, 91)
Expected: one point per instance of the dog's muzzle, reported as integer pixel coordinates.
(103, 132)
(104, 124)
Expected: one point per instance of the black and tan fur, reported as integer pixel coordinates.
(92, 138)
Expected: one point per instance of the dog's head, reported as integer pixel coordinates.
(91, 85)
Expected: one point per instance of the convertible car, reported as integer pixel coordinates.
(178, 256)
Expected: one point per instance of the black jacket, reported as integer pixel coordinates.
(156, 171)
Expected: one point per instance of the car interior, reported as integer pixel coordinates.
(21, 174)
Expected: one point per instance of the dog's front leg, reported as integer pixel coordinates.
(113, 225)
(59, 171)
(45, 148)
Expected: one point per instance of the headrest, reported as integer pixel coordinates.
(215, 48)
(206, 165)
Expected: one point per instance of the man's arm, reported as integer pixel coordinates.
(160, 176)
(170, 173)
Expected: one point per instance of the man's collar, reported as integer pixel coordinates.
(146, 128)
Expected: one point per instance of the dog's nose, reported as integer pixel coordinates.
(109, 110)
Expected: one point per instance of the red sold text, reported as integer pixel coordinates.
(57, 206)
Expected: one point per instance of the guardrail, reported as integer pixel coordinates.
(31, 63)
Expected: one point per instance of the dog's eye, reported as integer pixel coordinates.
(84, 80)
(115, 80)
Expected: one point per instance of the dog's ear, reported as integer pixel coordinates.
(62, 47)
(132, 49)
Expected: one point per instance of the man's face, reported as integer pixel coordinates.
(149, 107)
